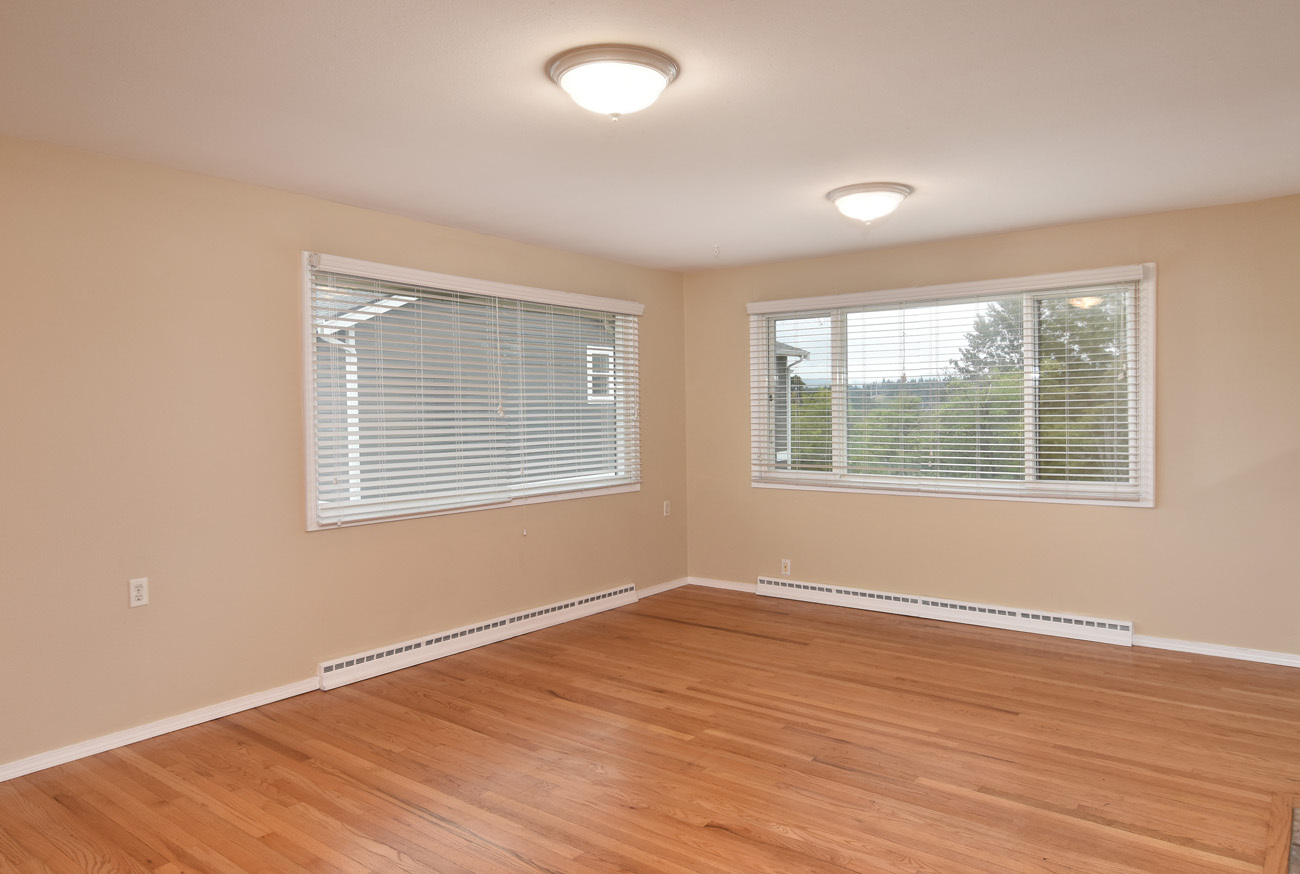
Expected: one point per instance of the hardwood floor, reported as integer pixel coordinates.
(703, 732)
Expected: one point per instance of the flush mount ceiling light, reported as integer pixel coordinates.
(1084, 303)
(612, 79)
(869, 200)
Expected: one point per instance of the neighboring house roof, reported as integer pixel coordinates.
(336, 306)
(787, 351)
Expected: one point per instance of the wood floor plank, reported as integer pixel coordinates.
(709, 732)
(1277, 855)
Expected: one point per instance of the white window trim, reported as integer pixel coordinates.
(607, 396)
(428, 279)
(356, 267)
(547, 498)
(1143, 274)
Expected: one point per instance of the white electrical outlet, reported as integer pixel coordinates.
(785, 566)
(138, 592)
(668, 508)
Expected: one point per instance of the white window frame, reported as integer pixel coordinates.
(762, 317)
(606, 396)
(627, 443)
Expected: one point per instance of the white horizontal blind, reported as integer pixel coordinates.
(1036, 393)
(427, 399)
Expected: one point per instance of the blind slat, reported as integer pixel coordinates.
(429, 399)
(1032, 393)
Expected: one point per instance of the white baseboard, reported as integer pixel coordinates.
(707, 583)
(63, 755)
(1210, 649)
(662, 587)
(1071, 625)
(752, 588)
(70, 753)
(394, 657)
(1215, 649)
(458, 640)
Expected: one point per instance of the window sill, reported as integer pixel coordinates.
(938, 492)
(495, 505)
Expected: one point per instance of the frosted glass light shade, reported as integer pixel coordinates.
(613, 79)
(869, 200)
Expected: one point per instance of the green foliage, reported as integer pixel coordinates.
(955, 427)
(810, 425)
(995, 344)
(1082, 391)
(971, 422)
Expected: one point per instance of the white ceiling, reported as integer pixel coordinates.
(1001, 113)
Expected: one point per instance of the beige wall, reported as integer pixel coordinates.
(1214, 562)
(152, 387)
(152, 426)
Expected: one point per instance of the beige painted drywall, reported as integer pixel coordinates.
(1215, 561)
(151, 381)
(152, 389)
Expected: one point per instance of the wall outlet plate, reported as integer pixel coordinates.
(138, 592)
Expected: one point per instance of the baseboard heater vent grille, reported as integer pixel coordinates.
(1056, 624)
(340, 672)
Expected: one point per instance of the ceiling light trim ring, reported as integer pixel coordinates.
(869, 187)
(617, 52)
(868, 201)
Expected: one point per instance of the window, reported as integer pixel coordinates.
(1038, 388)
(432, 393)
(600, 372)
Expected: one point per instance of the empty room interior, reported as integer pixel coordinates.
(587, 436)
